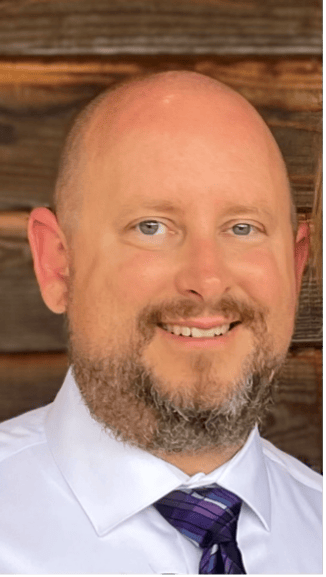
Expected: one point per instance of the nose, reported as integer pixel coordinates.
(203, 272)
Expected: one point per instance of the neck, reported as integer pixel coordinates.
(200, 462)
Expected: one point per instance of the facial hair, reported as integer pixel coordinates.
(136, 406)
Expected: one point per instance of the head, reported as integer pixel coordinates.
(175, 256)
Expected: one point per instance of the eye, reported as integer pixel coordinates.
(151, 227)
(152, 234)
(243, 229)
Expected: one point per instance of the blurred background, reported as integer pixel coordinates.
(57, 55)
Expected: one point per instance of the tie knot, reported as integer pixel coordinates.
(206, 515)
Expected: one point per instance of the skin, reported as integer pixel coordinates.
(191, 154)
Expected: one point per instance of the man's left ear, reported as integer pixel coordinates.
(301, 252)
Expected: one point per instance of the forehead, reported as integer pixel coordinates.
(183, 145)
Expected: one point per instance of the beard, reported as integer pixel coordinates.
(125, 395)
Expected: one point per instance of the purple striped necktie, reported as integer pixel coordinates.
(208, 516)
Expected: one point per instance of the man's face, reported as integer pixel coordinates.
(185, 229)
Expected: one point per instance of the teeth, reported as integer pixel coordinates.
(197, 333)
(176, 330)
(186, 331)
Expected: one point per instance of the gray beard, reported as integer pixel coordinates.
(130, 401)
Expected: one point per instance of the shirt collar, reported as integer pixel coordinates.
(113, 481)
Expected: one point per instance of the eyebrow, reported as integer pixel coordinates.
(231, 210)
(163, 206)
(248, 209)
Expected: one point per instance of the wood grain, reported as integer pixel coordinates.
(317, 225)
(29, 381)
(37, 106)
(296, 417)
(47, 28)
(294, 425)
(291, 83)
(26, 323)
(14, 224)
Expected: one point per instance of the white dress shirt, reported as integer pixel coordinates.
(75, 500)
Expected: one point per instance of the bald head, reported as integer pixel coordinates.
(158, 102)
(181, 275)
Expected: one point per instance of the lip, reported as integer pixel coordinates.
(202, 322)
(200, 343)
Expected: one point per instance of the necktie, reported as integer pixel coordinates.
(208, 516)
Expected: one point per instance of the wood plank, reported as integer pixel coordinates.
(317, 229)
(34, 117)
(47, 27)
(29, 381)
(276, 82)
(295, 425)
(295, 422)
(28, 325)
(14, 224)
(310, 310)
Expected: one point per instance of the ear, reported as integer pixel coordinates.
(301, 252)
(49, 249)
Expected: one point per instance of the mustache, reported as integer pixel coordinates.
(184, 309)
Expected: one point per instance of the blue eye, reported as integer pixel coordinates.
(242, 229)
(151, 227)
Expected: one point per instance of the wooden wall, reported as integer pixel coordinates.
(55, 56)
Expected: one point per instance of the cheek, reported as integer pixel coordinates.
(270, 282)
(140, 276)
(119, 282)
(268, 279)
(111, 288)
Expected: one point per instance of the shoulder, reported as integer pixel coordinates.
(22, 433)
(290, 470)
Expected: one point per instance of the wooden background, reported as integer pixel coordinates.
(54, 57)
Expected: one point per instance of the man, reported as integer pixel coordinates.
(176, 256)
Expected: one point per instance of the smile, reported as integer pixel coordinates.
(198, 333)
